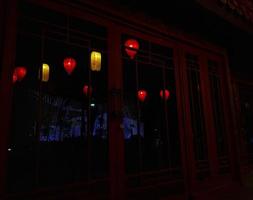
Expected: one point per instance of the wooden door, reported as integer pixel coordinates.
(206, 118)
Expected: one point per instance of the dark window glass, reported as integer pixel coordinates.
(196, 108)
(218, 114)
(216, 95)
(246, 100)
(59, 130)
(150, 125)
(197, 117)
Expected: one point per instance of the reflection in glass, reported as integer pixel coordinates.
(150, 125)
(59, 134)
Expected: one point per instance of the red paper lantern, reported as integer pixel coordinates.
(86, 90)
(19, 74)
(142, 94)
(69, 64)
(14, 77)
(131, 47)
(165, 94)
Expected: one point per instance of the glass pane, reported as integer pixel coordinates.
(246, 99)
(60, 130)
(196, 108)
(22, 143)
(152, 115)
(197, 117)
(215, 83)
(150, 111)
(218, 114)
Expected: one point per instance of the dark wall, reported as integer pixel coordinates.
(193, 19)
(1, 29)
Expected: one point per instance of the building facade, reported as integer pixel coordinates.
(165, 114)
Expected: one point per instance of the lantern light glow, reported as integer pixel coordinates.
(45, 72)
(95, 61)
(86, 90)
(69, 64)
(165, 94)
(14, 77)
(131, 47)
(19, 74)
(142, 94)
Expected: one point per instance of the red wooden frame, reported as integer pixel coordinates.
(215, 180)
(9, 40)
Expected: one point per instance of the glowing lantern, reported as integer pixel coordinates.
(86, 90)
(19, 73)
(69, 64)
(164, 94)
(95, 61)
(142, 94)
(14, 77)
(131, 47)
(45, 72)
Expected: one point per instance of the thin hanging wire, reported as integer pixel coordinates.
(39, 118)
(68, 23)
(72, 145)
(139, 119)
(166, 116)
(89, 134)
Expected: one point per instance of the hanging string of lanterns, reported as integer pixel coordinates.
(131, 47)
(142, 94)
(69, 65)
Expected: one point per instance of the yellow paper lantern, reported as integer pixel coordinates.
(95, 61)
(45, 72)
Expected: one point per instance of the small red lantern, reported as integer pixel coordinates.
(14, 77)
(142, 94)
(131, 47)
(165, 94)
(86, 90)
(69, 64)
(19, 74)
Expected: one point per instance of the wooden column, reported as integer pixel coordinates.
(188, 153)
(233, 131)
(184, 146)
(2, 14)
(208, 115)
(116, 137)
(7, 63)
